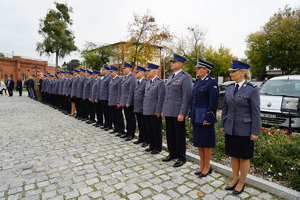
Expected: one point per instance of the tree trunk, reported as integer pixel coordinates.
(56, 61)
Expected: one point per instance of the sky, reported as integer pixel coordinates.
(227, 23)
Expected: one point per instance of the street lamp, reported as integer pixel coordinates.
(64, 66)
(290, 106)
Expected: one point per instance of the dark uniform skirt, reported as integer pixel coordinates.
(239, 146)
(204, 136)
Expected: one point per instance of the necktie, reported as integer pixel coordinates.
(138, 82)
(173, 76)
(150, 81)
(236, 89)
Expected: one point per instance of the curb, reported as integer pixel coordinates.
(274, 188)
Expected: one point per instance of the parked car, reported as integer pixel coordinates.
(281, 92)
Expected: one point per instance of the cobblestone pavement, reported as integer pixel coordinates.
(45, 154)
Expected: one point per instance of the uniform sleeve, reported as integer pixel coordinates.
(161, 97)
(224, 110)
(186, 95)
(255, 112)
(131, 91)
(213, 93)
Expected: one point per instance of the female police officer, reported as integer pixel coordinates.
(240, 122)
(203, 114)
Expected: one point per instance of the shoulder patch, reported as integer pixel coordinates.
(252, 84)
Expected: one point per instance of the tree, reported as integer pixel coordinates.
(95, 56)
(73, 64)
(58, 38)
(145, 39)
(191, 47)
(277, 45)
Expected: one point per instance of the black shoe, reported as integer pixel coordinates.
(97, 125)
(114, 131)
(119, 134)
(148, 149)
(204, 175)
(84, 119)
(197, 173)
(155, 152)
(107, 129)
(235, 192)
(102, 127)
(129, 138)
(123, 135)
(179, 163)
(90, 121)
(145, 144)
(231, 188)
(137, 142)
(168, 158)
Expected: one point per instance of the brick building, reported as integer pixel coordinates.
(19, 67)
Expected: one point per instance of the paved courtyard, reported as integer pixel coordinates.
(45, 154)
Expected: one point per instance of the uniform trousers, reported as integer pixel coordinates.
(88, 111)
(117, 118)
(10, 91)
(80, 107)
(130, 121)
(107, 113)
(99, 112)
(176, 138)
(68, 104)
(142, 128)
(154, 128)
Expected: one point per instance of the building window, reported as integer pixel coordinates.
(5, 78)
(11, 77)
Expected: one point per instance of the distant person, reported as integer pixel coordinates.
(241, 123)
(19, 86)
(266, 79)
(10, 87)
(2, 87)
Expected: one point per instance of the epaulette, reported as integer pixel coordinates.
(158, 78)
(185, 73)
(230, 84)
(252, 84)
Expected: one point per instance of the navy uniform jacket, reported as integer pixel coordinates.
(74, 85)
(69, 86)
(114, 91)
(154, 97)
(241, 112)
(205, 95)
(104, 87)
(79, 91)
(138, 96)
(178, 95)
(127, 90)
(87, 87)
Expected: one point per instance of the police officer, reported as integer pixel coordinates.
(74, 102)
(138, 99)
(113, 100)
(203, 114)
(94, 98)
(67, 92)
(176, 106)
(79, 91)
(240, 122)
(89, 107)
(152, 108)
(103, 98)
(126, 101)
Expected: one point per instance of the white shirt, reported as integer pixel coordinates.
(240, 84)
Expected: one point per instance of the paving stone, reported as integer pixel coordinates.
(63, 158)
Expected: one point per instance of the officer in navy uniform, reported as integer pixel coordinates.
(152, 108)
(94, 98)
(126, 101)
(103, 98)
(89, 107)
(204, 103)
(138, 99)
(241, 123)
(113, 100)
(68, 88)
(79, 91)
(175, 109)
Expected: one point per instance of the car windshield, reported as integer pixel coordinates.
(281, 88)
